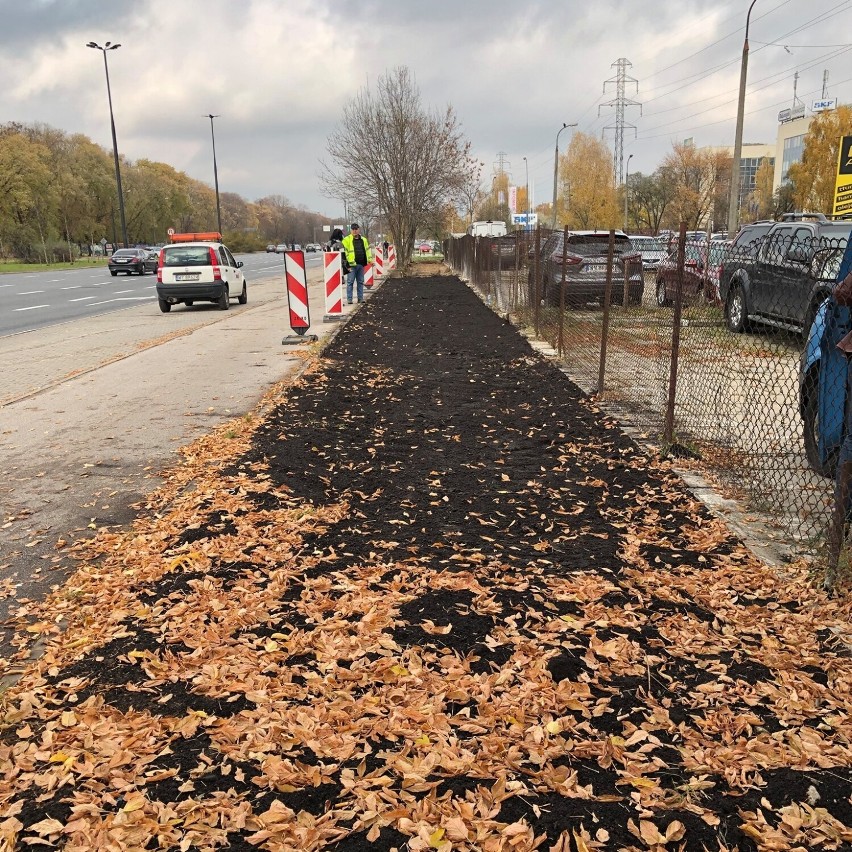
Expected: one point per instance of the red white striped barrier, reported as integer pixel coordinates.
(333, 265)
(368, 276)
(379, 262)
(297, 291)
(391, 257)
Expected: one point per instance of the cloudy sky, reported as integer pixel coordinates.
(279, 72)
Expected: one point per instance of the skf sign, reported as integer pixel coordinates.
(823, 105)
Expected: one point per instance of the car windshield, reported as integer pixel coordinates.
(648, 244)
(596, 245)
(186, 256)
(125, 253)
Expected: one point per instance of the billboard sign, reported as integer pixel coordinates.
(785, 115)
(513, 199)
(521, 219)
(843, 184)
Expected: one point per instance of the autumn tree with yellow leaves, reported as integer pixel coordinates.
(587, 194)
(814, 177)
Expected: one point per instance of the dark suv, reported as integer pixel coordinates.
(779, 273)
(585, 258)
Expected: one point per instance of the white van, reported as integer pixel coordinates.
(487, 229)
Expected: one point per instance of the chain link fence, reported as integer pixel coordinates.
(723, 352)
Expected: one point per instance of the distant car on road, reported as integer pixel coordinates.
(271, 247)
(281, 248)
(129, 261)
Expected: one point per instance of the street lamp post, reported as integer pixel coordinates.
(527, 167)
(107, 46)
(556, 172)
(734, 201)
(215, 173)
(626, 188)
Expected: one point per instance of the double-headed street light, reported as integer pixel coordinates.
(556, 172)
(216, 173)
(734, 201)
(108, 46)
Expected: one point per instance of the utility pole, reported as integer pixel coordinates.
(621, 102)
(215, 173)
(736, 174)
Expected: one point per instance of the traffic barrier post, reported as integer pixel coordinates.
(392, 257)
(333, 267)
(379, 262)
(368, 276)
(297, 298)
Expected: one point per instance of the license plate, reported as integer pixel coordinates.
(190, 277)
(594, 268)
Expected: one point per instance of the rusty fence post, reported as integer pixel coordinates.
(560, 340)
(625, 298)
(537, 280)
(606, 305)
(668, 430)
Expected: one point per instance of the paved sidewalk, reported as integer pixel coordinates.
(434, 600)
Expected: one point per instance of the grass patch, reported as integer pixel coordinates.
(17, 266)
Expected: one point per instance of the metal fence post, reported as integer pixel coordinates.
(537, 280)
(607, 299)
(668, 432)
(560, 341)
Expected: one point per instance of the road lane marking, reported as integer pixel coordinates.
(32, 307)
(54, 280)
(29, 292)
(124, 299)
(119, 292)
(75, 287)
(83, 299)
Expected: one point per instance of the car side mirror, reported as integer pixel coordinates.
(239, 264)
(798, 254)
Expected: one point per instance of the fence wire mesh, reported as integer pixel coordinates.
(725, 351)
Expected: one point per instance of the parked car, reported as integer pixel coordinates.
(281, 248)
(702, 262)
(585, 256)
(129, 261)
(781, 278)
(198, 268)
(652, 249)
(822, 378)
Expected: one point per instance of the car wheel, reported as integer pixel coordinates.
(662, 299)
(113, 273)
(189, 303)
(243, 297)
(735, 309)
(224, 300)
(810, 427)
(165, 306)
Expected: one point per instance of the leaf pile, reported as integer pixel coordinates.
(433, 601)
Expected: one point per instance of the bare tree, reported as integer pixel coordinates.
(397, 157)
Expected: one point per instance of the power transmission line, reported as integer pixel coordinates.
(620, 103)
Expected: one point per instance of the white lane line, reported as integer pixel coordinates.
(124, 299)
(75, 287)
(32, 308)
(83, 299)
(119, 292)
(7, 285)
(54, 280)
(29, 292)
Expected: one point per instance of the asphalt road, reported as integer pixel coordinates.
(33, 300)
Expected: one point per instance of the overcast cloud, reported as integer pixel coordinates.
(280, 71)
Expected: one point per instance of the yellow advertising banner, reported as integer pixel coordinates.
(843, 184)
